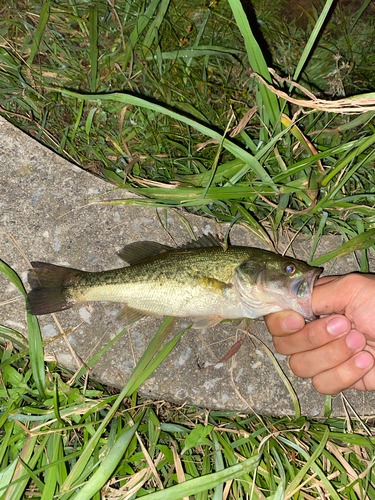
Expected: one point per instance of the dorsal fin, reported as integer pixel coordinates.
(208, 240)
(140, 250)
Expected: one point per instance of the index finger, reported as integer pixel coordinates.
(333, 294)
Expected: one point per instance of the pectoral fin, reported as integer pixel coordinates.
(214, 285)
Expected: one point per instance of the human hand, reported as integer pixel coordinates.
(337, 351)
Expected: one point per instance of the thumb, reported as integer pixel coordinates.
(284, 323)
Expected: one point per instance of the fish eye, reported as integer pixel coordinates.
(289, 268)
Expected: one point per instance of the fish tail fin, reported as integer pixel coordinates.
(52, 288)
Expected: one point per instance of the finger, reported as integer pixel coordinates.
(326, 279)
(284, 322)
(313, 335)
(345, 375)
(311, 363)
(335, 295)
(367, 382)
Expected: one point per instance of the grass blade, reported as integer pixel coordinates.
(209, 481)
(94, 51)
(311, 462)
(162, 333)
(109, 464)
(360, 242)
(9, 334)
(257, 63)
(152, 32)
(157, 360)
(34, 335)
(307, 51)
(12, 277)
(38, 35)
(36, 352)
(231, 146)
(142, 22)
(98, 355)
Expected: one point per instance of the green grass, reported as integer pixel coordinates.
(77, 441)
(73, 441)
(142, 95)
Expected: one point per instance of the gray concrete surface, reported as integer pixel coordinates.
(43, 217)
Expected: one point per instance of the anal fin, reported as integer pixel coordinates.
(206, 321)
(130, 315)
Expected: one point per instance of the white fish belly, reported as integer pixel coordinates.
(171, 299)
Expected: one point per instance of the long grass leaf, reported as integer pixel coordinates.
(9, 334)
(30, 456)
(51, 475)
(200, 51)
(141, 24)
(34, 335)
(163, 331)
(307, 51)
(360, 242)
(231, 146)
(253, 225)
(36, 352)
(109, 464)
(157, 360)
(203, 483)
(318, 234)
(257, 62)
(152, 32)
(99, 354)
(94, 51)
(199, 36)
(311, 462)
(12, 276)
(219, 466)
(38, 35)
(363, 144)
(6, 474)
(15, 491)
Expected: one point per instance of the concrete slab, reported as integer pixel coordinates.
(43, 217)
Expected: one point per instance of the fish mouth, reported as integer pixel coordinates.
(302, 289)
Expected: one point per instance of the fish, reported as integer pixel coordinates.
(201, 280)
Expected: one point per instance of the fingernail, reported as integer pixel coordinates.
(363, 360)
(338, 326)
(292, 323)
(354, 340)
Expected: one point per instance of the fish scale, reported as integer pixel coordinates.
(205, 282)
(171, 280)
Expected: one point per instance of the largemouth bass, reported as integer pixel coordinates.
(198, 280)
